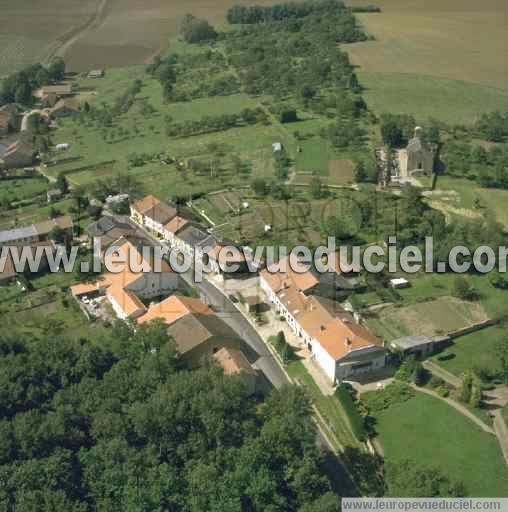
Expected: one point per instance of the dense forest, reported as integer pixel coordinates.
(122, 425)
(295, 54)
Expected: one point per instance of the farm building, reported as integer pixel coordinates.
(277, 147)
(96, 73)
(36, 232)
(60, 90)
(65, 107)
(419, 346)
(18, 154)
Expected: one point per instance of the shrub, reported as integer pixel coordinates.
(394, 393)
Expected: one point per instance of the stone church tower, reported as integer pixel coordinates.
(420, 156)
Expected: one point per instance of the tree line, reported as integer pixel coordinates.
(208, 124)
(254, 14)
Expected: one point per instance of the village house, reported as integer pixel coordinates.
(173, 228)
(139, 208)
(39, 232)
(53, 195)
(341, 346)
(65, 107)
(234, 362)
(107, 230)
(18, 154)
(194, 326)
(59, 90)
(126, 286)
(192, 239)
(157, 217)
(184, 235)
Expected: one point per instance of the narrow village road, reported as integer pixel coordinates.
(230, 314)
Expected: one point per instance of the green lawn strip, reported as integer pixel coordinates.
(431, 433)
(329, 407)
(475, 350)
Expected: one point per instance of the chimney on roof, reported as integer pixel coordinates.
(322, 328)
(348, 343)
(357, 317)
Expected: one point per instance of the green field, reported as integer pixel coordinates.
(432, 434)
(13, 191)
(425, 97)
(473, 351)
(453, 39)
(438, 58)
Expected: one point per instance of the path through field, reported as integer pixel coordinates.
(69, 38)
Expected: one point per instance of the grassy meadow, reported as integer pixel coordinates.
(432, 434)
(31, 30)
(476, 350)
(438, 58)
(423, 96)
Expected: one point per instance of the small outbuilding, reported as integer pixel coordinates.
(399, 283)
(54, 195)
(96, 73)
(419, 346)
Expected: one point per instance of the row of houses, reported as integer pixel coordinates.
(339, 343)
(181, 233)
(198, 333)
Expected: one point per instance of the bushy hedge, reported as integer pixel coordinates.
(343, 394)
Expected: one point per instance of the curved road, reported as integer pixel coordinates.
(230, 314)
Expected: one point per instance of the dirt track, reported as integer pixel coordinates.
(64, 42)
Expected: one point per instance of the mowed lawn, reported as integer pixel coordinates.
(476, 350)
(432, 434)
(425, 97)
